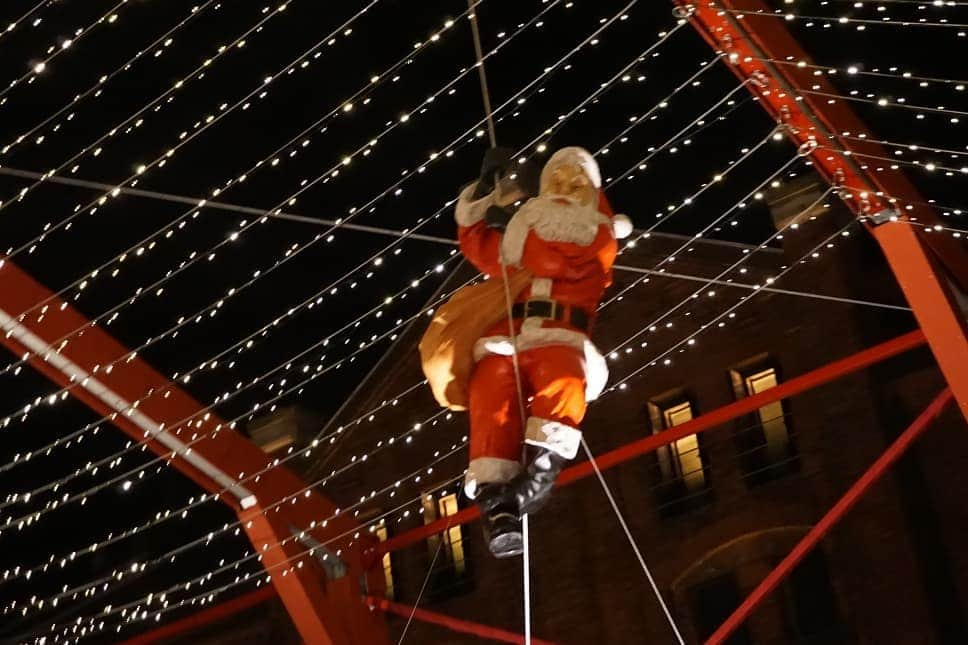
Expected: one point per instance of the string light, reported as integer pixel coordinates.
(17, 22)
(625, 379)
(97, 88)
(57, 49)
(327, 234)
(592, 96)
(184, 137)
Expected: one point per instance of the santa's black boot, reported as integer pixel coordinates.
(532, 488)
(499, 517)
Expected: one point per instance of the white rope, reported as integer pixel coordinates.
(492, 134)
(423, 587)
(635, 547)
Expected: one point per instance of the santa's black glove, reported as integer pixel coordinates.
(497, 218)
(496, 162)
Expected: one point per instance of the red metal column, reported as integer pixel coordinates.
(886, 200)
(712, 419)
(108, 378)
(834, 515)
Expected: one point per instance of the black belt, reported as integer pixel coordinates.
(574, 316)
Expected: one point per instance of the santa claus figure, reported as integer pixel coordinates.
(565, 241)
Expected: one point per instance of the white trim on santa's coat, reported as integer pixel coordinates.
(560, 438)
(489, 470)
(533, 335)
(554, 219)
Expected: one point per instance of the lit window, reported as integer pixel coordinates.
(682, 459)
(772, 419)
(381, 533)
(763, 439)
(449, 571)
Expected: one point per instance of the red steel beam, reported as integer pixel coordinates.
(834, 515)
(454, 624)
(702, 423)
(886, 200)
(109, 378)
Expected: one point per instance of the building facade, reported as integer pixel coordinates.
(711, 513)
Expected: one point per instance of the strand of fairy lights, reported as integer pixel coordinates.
(928, 166)
(856, 70)
(861, 23)
(140, 247)
(826, 241)
(437, 269)
(885, 102)
(617, 386)
(268, 14)
(329, 541)
(291, 254)
(13, 24)
(201, 125)
(171, 555)
(164, 40)
(43, 311)
(197, 256)
(285, 366)
(589, 98)
(55, 50)
(382, 517)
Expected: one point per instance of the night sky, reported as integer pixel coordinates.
(302, 140)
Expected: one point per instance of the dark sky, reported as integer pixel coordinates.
(314, 98)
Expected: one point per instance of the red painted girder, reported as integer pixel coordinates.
(834, 515)
(702, 423)
(813, 120)
(219, 461)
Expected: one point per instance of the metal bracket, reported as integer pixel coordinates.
(883, 216)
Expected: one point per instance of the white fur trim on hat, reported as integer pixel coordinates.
(573, 155)
(489, 470)
(559, 438)
(621, 226)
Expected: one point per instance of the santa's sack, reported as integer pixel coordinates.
(447, 347)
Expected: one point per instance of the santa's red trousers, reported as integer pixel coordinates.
(552, 377)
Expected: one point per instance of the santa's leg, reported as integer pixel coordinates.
(495, 452)
(556, 376)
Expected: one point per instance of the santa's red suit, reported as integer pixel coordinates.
(569, 248)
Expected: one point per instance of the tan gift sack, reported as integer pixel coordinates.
(447, 347)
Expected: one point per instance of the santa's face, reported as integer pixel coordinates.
(569, 180)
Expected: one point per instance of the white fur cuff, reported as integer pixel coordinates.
(470, 211)
(488, 470)
(555, 436)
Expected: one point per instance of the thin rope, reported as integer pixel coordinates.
(423, 587)
(635, 547)
(492, 135)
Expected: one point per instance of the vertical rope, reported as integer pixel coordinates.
(423, 587)
(492, 135)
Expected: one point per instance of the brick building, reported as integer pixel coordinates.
(711, 513)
